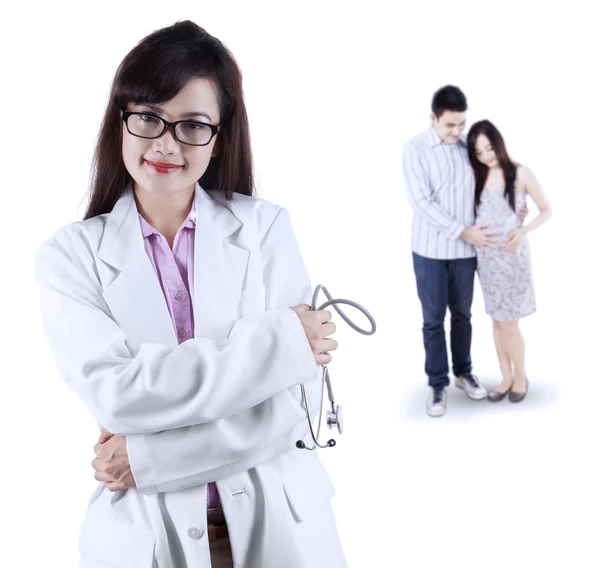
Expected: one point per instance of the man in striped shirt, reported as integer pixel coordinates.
(441, 189)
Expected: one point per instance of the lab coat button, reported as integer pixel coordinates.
(179, 296)
(194, 533)
(182, 333)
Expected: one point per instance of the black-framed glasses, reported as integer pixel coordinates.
(190, 132)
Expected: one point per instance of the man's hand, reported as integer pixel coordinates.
(479, 237)
(523, 212)
(112, 462)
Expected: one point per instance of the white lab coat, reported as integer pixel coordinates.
(224, 406)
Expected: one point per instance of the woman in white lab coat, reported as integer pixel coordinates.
(167, 310)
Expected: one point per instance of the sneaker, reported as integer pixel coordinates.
(436, 403)
(471, 385)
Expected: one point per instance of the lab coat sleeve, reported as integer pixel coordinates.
(420, 195)
(185, 457)
(265, 354)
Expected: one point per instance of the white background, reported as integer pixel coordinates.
(333, 92)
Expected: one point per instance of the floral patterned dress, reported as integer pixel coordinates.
(506, 277)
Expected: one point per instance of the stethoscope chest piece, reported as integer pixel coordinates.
(335, 418)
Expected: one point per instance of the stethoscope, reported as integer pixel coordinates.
(334, 417)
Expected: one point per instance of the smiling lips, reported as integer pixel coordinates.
(163, 167)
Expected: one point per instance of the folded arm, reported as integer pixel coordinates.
(160, 387)
(184, 457)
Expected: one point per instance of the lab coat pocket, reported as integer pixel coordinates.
(252, 300)
(116, 543)
(306, 483)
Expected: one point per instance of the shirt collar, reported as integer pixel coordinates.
(434, 139)
(190, 222)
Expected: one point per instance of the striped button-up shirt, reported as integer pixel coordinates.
(441, 189)
(175, 272)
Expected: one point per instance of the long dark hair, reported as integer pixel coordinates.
(509, 167)
(154, 71)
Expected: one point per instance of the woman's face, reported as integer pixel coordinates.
(197, 101)
(484, 151)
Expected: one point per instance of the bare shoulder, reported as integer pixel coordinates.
(525, 174)
(525, 178)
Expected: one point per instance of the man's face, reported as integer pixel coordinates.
(449, 125)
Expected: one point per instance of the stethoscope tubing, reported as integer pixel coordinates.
(325, 379)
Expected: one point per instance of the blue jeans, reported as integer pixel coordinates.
(443, 284)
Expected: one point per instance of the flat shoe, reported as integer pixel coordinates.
(519, 396)
(496, 396)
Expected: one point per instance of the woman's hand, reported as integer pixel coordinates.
(514, 240)
(112, 462)
(317, 328)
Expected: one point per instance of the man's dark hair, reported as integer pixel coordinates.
(448, 98)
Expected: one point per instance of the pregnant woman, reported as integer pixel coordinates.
(504, 268)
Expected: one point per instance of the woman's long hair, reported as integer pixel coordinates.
(154, 72)
(509, 168)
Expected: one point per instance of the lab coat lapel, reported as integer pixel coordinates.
(220, 267)
(135, 296)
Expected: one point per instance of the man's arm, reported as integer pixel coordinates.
(420, 195)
